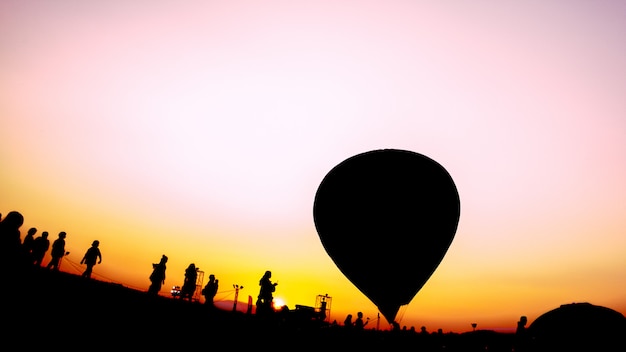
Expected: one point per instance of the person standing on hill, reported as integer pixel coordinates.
(520, 339)
(27, 244)
(189, 285)
(157, 278)
(90, 257)
(348, 323)
(210, 290)
(10, 239)
(41, 245)
(265, 301)
(359, 324)
(57, 252)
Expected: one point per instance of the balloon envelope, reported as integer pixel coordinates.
(386, 218)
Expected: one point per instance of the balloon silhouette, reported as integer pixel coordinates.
(387, 218)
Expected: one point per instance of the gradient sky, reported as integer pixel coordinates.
(201, 130)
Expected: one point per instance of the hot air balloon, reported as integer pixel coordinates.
(397, 207)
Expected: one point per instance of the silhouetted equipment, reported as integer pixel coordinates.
(322, 307)
(306, 311)
(578, 327)
(199, 282)
(316, 315)
(395, 205)
(237, 288)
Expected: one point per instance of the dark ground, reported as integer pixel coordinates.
(43, 309)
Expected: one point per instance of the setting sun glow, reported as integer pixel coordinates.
(279, 303)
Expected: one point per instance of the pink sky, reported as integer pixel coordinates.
(202, 129)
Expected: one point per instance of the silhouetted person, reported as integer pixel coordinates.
(189, 285)
(41, 245)
(520, 335)
(265, 300)
(358, 323)
(210, 290)
(348, 323)
(27, 243)
(57, 252)
(10, 239)
(157, 278)
(90, 257)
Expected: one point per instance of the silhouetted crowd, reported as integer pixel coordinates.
(31, 251)
(28, 254)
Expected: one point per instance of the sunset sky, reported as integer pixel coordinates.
(202, 130)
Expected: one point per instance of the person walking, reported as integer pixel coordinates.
(57, 252)
(41, 245)
(90, 257)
